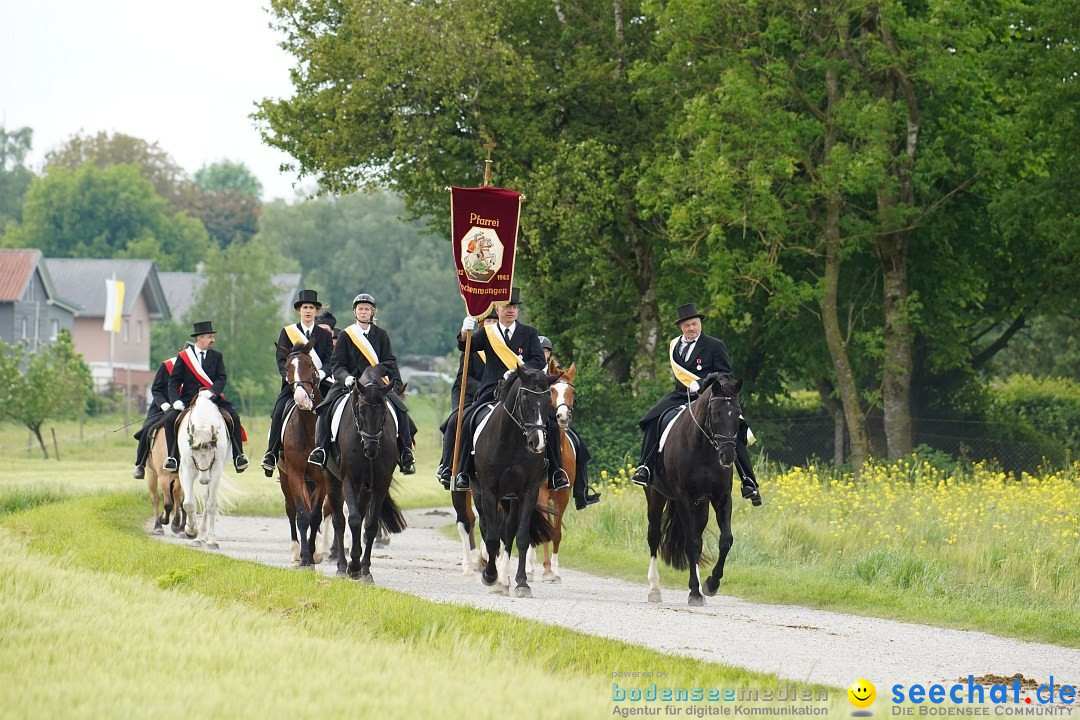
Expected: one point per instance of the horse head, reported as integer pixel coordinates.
(369, 408)
(562, 393)
(527, 403)
(302, 375)
(205, 435)
(723, 414)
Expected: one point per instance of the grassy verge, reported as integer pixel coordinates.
(969, 550)
(100, 620)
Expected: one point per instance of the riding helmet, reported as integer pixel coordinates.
(364, 298)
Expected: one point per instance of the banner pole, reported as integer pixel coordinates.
(461, 405)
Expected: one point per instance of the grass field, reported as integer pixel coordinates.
(99, 620)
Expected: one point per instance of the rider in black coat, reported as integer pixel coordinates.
(696, 355)
(159, 405)
(349, 359)
(199, 367)
(307, 304)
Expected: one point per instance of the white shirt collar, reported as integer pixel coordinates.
(307, 330)
(507, 330)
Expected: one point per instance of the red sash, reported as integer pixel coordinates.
(188, 356)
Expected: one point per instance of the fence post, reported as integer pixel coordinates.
(56, 445)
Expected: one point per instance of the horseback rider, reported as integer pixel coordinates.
(328, 322)
(508, 344)
(159, 405)
(584, 495)
(365, 344)
(200, 368)
(469, 386)
(693, 356)
(322, 346)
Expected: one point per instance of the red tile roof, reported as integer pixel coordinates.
(15, 269)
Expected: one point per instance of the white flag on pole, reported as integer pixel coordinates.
(114, 305)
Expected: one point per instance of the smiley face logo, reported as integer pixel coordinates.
(862, 693)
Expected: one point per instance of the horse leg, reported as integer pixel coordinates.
(187, 482)
(209, 533)
(722, 507)
(371, 531)
(525, 510)
(316, 526)
(303, 524)
(464, 528)
(695, 520)
(655, 512)
(333, 492)
(357, 503)
(509, 531)
(562, 499)
(179, 514)
(489, 528)
(290, 512)
(152, 482)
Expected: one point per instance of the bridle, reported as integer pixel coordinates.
(718, 440)
(525, 426)
(310, 386)
(568, 406)
(212, 445)
(367, 438)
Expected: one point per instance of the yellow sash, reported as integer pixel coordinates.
(483, 355)
(362, 344)
(296, 336)
(498, 344)
(683, 375)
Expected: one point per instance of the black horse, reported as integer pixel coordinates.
(510, 466)
(694, 472)
(363, 472)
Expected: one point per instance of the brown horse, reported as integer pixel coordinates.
(164, 487)
(555, 501)
(304, 486)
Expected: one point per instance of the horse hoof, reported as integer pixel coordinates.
(212, 545)
(501, 589)
(696, 601)
(710, 588)
(489, 581)
(523, 591)
(191, 534)
(157, 531)
(654, 596)
(550, 577)
(317, 559)
(340, 574)
(196, 541)
(367, 579)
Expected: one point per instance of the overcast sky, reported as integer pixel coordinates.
(182, 74)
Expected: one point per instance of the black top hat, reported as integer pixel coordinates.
(686, 312)
(307, 296)
(326, 318)
(205, 327)
(492, 315)
(515, 296)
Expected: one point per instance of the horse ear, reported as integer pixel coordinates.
(550, 366)
(282, 350)
(570, 373)
(738, 386)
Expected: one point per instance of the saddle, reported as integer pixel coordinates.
(183, 413)
(470, 425)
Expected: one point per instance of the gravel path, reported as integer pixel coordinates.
(796, 643)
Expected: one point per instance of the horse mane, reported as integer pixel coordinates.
(372, 374)
(205, 418)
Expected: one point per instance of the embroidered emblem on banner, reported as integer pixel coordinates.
(481, 253)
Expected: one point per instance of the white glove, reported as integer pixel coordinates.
(206, 394)
(178, 405)
(322, 375)
(694, 387)
(750, 439)
(468, 324)
(507, 374)
(350, 381)
(164, 407)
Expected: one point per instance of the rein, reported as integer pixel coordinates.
(568, 406)
(717, 440)
(311, 387)
(367, 437)
(525, 427)
(212, 445)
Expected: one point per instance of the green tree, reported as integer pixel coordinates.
(15, 177)
(225, 197)
(245, 315)
(91, 212)
(226, 176)
(51, 383)
(358, 242)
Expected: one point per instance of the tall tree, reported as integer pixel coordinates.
(113, 212)
(226, 176)
(51, 383)
(406, 94)
(15, 176)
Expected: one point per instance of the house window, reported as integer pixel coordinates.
(24, 335)
(138, 332)
(54, 329)
(127, 324)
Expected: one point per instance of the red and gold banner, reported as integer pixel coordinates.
(484, 227)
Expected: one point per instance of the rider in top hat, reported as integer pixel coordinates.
(364, 344)
(159, 405)
(508, 344)
(200, 368)
(584, 495)
(322, 345)
(693, 355)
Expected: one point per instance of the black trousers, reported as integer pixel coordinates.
(153, 417)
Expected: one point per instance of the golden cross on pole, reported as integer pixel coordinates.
(489, 146)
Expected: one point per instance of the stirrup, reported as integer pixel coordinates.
(169, 465)
(752, 494)
(642, 476)
(407, 462)
(443, 476)
(269, 462)
(559, 480)
(317, 457)
(461, 482)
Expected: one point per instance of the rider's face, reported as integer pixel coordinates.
(690, 329)
(363, 312)
(507, 314)
(204, 341)
(307, 314)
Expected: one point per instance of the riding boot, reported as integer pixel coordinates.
(557, 477)
(405, 440)
(141, 451)
(273, 441)
(643, 475)
(322, 439)
(750, 489)
(240, 461)
(170, 464)
(444, 473)
(584, 495)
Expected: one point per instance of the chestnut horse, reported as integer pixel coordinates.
(303, 485)
(694, 472)
(556, 501)
(164, 486)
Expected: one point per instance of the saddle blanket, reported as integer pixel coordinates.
(667, 428)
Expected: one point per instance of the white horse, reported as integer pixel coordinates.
(204, 449)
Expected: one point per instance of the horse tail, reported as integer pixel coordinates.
(390, 518)
(673, 539)
(540, 528)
